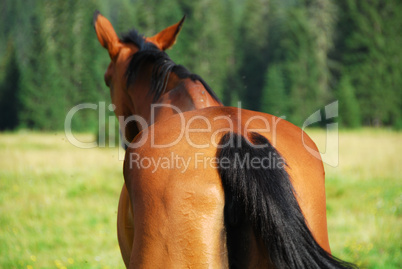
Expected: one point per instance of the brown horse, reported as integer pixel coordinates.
(209, 186)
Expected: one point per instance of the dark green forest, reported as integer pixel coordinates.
(284, 57)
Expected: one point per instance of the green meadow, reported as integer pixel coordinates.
(58, 203)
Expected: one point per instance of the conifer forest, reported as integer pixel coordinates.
(284, 57)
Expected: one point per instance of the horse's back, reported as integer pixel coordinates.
(177, 193)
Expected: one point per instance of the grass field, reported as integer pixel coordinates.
(58, 202)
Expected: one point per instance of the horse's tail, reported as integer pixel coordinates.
(260, 196)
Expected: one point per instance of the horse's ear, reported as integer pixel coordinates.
(167, 37)
(106, 35)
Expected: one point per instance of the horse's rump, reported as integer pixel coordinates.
(179, 203)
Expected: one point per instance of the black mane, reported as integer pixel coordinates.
(162, 66)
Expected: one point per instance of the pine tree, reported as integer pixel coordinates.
(300, 37)
(9, 91)
(203, 46)
(348, 106)
(231, 21)
(37, 83)
(369, 49)
(253, 52)
(275, 99)
(297, 51)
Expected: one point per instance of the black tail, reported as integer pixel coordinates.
(259, 197)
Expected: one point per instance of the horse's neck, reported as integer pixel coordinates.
(187, 95)
(181, 95)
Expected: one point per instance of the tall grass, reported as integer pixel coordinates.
(364, 197)
(58, 203)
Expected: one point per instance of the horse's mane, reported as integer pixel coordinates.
(162, 66)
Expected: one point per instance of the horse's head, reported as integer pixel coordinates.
(121, 52)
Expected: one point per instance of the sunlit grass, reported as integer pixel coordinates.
(58, 202)
(364, 197)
